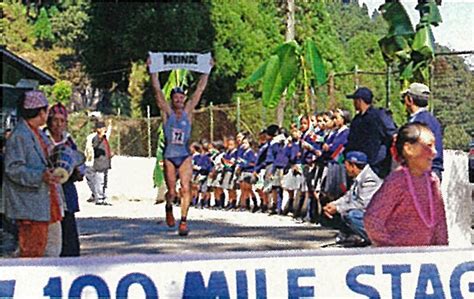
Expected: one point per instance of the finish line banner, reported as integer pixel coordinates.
(167, 61)
(366, 273)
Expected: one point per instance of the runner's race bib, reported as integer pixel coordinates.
(177, 136)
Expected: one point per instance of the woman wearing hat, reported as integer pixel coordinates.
(56, 131)
(32, 192)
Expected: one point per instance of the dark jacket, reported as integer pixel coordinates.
(428, 119)
(371, 134)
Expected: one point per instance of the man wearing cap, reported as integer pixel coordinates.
(347, 212)
(371, 132)
(33, 194)
(177, 120)
(415, 99)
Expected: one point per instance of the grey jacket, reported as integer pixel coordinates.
(361, 192)
(26, 194)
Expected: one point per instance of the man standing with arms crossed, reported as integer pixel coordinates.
(177, 120)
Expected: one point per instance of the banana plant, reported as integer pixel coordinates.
(176, 78)
(412, 51)
(280, 71)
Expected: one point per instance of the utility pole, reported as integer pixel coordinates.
(289, 36)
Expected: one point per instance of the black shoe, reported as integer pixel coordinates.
(272, 212)
(356, 241)
(91, 199)
(230, 206)
(264, 208)
(255, 209)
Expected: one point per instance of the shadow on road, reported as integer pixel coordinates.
(110, 236)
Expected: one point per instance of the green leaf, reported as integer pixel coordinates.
(397, 18)
(423, 42)
(314, 59)
(258, 74)
(269, 82)
(429, 13)
(281, 69)
(289, 62)
(394, 47)
(291, 90)
(176, 78)
(407, 72)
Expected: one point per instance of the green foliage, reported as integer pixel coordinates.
(43, 29)
(413, 52)
(62, 91)
(455, 137)
(17, 32)
(246, 32)
(121, 33)
(315, 61)
(69, 24)
(121, 102)
(136, 87)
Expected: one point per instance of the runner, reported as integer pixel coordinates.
(177, 120)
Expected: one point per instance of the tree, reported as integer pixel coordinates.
(68, 24)
(18, 33)
(136, 88)
(43, 29)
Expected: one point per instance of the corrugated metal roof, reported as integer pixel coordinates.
(29, 70)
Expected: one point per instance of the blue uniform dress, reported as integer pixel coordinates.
(177, 135)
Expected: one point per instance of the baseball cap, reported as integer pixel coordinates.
(177, 89)
(362, 93)
(419, 90)
(356, 157)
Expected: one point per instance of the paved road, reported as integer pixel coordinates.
(110, 231)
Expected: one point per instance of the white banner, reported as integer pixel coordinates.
(166, 61)
(358, 273)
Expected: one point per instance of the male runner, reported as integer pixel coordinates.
(177, 120)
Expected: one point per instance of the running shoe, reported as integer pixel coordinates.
(169, 216)
(183, 229)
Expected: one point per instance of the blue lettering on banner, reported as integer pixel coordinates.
(359, 288)
(7, 288)
(194, 285)
(54, 288)
(242, 285)
(429, 273)
(294, 290)
(455, 280)
(396, 272)
(89, 280)
(261, 283)
(147, 284)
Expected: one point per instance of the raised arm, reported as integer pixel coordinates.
(196, 97)
(159, 96)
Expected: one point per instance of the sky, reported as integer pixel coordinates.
(457, 29)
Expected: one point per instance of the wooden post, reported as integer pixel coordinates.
(388, 91)
(332, 96)
(148, 120)
(238, 115)
(356, 76)
(211, 121)
(119, 149)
